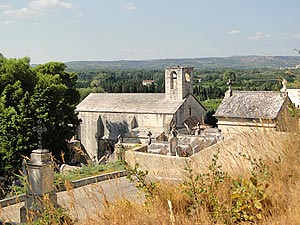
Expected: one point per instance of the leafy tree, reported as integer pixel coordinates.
(45, 93)
(229, 75)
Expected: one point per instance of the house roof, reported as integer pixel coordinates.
(129, 103)
(251, 105)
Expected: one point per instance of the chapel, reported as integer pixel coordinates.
(107, 116)
(242, 111)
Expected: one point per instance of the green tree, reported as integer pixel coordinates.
(45, 93)
(54, 101)
(229, 75)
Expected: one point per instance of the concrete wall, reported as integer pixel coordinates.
(265, 145)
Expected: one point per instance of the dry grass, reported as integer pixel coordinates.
(280, 206)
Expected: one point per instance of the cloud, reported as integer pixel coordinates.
(7, 22)
(41, 5)
(37, 7)
(233, 32)
(259, 36)
(24, 12)
(130, 6)
(35, 24)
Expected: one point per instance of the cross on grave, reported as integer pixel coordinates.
(40, 130)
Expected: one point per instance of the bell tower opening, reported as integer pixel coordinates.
(173, 78)
(178, 82)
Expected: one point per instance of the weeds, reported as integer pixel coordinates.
(137, 176)
(203, 189)
(226, 200)
(53, 215)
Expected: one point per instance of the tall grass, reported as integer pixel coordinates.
(267, 193)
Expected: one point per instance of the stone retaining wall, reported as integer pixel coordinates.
(75, 184)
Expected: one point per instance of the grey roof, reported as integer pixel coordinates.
(252, 105)
(129, 103)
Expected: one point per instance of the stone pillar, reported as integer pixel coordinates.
(41, 185)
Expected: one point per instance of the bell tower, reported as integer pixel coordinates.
(178, 82)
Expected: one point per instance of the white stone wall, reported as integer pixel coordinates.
(88, 132)
(115, 124)
(230, 127)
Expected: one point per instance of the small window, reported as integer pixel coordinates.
(190, 111)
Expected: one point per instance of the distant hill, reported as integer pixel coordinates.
(239, 62)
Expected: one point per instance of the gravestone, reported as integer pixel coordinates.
(173, 142)
(149, 137)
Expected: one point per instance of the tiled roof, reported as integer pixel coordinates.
(251, 104)
(129, 103)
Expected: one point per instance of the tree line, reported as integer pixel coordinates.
(208, 84)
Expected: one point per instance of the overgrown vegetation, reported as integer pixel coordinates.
(53, 215)
(267, 195)
(246, 199)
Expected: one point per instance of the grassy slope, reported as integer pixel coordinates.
(270, 195)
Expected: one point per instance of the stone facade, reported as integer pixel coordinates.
(105, 116)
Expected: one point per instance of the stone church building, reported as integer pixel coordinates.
(105, 116)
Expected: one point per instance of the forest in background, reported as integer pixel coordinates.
(210, 85)
(239, 62)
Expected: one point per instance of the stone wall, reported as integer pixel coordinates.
(265, 145)
(95, 126)
(233, 126)
(190, 108)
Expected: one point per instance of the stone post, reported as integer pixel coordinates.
(41, 185)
